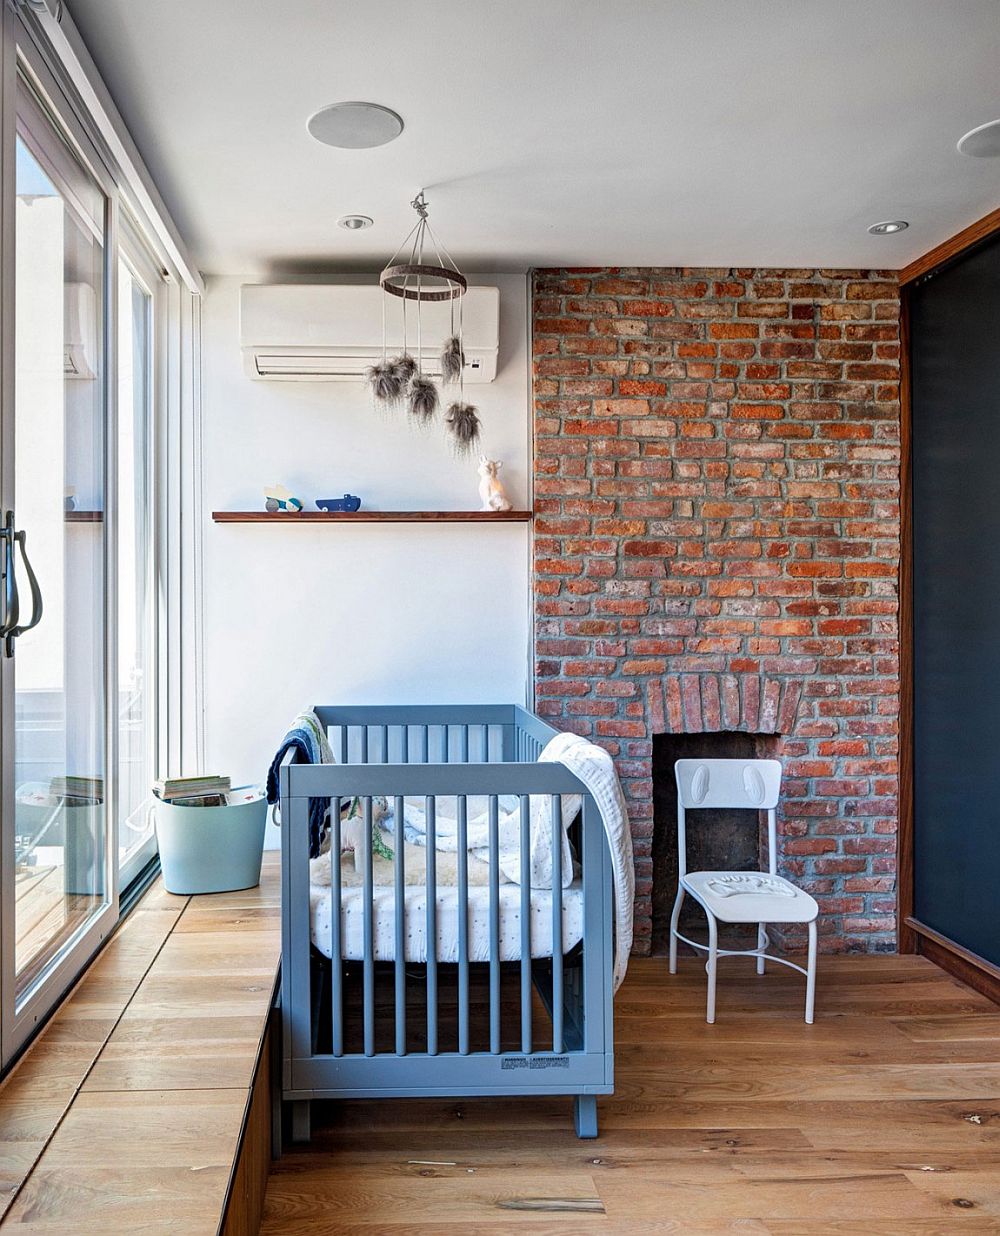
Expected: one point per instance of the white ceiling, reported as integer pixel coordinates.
(561, 132)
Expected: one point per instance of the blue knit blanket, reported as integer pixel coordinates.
(307, 737)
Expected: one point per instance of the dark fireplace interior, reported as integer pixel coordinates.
(716, 840)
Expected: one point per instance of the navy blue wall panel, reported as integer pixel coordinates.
(955, 367)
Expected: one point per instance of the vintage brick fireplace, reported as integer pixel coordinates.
(716, 549)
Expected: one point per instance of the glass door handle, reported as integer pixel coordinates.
(11, 629)
(10, 599)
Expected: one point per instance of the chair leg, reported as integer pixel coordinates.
(674, 920)
(712, 967)
(761, 943)
(811, 975)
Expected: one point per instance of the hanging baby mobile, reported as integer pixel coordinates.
(427, 275)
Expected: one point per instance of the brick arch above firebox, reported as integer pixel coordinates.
(710, 702)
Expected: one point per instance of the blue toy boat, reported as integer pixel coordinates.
(349, 502)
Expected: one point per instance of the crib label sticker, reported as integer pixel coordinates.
(534, 1062)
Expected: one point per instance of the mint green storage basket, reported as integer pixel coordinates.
(210, 849)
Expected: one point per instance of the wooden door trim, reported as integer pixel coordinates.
(972, 969)
(906, 940)
(953, 247)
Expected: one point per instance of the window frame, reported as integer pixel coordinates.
(134, 252)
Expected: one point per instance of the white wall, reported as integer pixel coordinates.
(369, 613)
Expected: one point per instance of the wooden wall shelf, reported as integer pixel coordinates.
(371, 517)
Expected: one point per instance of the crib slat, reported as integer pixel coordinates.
(401, 925)
(404, 750)
(364, 744)
(463, 744)
(525, 926)
(494, 924)
(343, 744)
(384, 743)
(463, 924)
(369, 956)
(336, 961)
(423, 744)
(445, 744)
(557, 937)
(594, 871)
(432, 975)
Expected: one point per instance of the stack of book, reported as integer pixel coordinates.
(78, 791)
(201, 791)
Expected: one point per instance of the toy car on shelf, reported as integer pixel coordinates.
(278, 498)
(349, 502)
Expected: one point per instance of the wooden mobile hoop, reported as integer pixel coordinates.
(401, 379)
(395, 279)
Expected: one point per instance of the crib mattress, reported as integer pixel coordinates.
(415, 897)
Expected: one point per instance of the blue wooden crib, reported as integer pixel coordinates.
(362, 1020)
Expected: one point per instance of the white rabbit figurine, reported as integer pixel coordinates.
(491, 488)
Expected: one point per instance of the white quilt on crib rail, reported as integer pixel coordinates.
(596, 770)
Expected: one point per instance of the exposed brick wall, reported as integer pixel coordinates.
(717, 544)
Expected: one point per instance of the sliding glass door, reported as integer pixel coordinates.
(58, 869)
(54, 549)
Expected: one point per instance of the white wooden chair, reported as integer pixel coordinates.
(738, 896)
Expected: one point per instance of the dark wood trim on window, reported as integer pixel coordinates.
(982, 229)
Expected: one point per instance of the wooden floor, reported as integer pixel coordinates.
(125, 1114)
(45, 913)
(882, 1118)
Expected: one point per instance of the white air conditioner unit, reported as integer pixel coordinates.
(309, 332)
(79, 331)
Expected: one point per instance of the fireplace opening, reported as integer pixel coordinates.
(717, 840)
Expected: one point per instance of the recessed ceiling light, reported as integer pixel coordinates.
(355, 126)
(982, 142)
(354, 223)
(888, 227)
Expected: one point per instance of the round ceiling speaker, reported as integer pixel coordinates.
(355, 126)
(982, 142)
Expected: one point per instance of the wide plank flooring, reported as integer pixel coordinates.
(125, 1115)
(882, 1119)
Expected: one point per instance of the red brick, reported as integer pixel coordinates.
(717, 540)
(562, 326)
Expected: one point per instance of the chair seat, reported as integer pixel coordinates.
(750, 897)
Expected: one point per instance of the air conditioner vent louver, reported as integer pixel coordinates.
(333, 332)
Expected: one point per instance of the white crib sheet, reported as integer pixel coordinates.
(384, 906)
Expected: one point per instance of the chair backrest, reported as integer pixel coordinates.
(751, 785)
